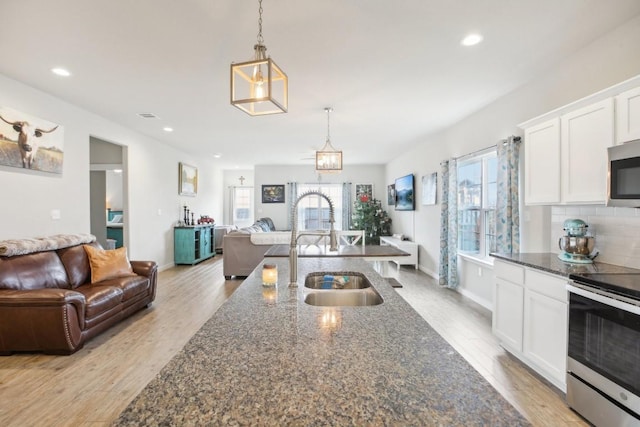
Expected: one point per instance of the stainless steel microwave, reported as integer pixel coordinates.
(623, 179)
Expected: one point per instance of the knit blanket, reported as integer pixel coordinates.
(30, 245)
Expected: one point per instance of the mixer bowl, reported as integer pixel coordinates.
(577, 245)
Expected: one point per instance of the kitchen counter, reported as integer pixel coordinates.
(267, 358)
(344, 251)
(550, 263)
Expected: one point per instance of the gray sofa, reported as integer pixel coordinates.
(242, 253)
(244, 249)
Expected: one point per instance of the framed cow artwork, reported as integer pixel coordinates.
(30, 142)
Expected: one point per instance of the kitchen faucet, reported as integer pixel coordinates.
(293, 247)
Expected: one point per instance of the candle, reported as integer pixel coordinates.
(269, 275)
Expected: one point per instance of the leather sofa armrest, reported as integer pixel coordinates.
(46, 297)
(144, 268)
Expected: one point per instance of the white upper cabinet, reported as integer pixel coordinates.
(565, 150)
(542, 163)
(585, 135)
(628, 116)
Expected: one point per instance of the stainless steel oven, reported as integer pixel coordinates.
(603, 378)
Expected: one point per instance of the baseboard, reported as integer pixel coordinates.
(429, 273)
(475, 298)
(166, 266)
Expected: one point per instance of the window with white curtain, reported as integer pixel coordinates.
(242, 206)
(313, 211)
(477, 194)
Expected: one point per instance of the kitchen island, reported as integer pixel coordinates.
(267, 358)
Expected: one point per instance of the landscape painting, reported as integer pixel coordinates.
(429, 186)
(30, 142)
(273, 194)
(405, 200)
(187, 180)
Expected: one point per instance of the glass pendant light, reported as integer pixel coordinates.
(328, 159)
(259, 87)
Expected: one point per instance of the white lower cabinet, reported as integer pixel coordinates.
(507, 317)
(530, 318)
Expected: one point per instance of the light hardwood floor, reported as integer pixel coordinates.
(91, 387)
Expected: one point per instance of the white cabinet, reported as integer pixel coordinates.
(404, 245)
(545, 333)
(566, 156)
(585, 135)
(530, 318)
(628, 116)
(508, 316)
(542, 163)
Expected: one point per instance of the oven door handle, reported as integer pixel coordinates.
(593, 295)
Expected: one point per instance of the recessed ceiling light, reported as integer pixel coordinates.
(167, 129)
(60, 72)
(471, 40)
(217, 156)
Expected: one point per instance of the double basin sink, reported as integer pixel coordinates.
(332, 289)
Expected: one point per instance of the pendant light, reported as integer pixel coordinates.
(328, 159)
(259, 87)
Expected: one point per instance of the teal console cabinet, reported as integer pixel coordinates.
(194, 243)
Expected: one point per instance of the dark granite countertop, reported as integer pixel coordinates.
(344, 251)
(267, 358)
(550, 263)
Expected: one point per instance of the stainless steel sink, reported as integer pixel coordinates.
(352, 280)
(344, 297)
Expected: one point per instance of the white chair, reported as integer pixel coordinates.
(351, 237)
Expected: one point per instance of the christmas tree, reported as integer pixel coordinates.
(368, 215)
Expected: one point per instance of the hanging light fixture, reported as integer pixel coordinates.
(259, 87)
(328, 159)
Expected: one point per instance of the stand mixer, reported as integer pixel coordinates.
(576, 246)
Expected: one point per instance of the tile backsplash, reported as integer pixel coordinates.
(616, 230)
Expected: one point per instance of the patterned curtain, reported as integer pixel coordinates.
(346, 206)
(291, 199)
(507, 205)
(448, 270)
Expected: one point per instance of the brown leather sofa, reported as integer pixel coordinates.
(48, 303)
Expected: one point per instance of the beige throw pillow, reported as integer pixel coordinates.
(108, 264)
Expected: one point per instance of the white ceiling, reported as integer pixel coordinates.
(394, 71)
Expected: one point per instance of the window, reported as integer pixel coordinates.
(313, 211)
(242, 206)
(477, 194)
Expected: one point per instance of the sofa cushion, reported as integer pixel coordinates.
(108, 264)
(33, 271)
(263, 225)
(76, 263)
(269, 222)
(130, 286)
(100, 299)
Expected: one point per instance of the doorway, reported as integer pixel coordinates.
(108, 193)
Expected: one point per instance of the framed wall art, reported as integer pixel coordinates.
(188, 180)
(429, 186)
(364, 191)
(30, 142)
(273, 194)
(391, 195)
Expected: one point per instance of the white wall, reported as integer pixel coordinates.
(616, 231)
(114, 190)
(152, 177)
(275, 175)
(605, 62)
